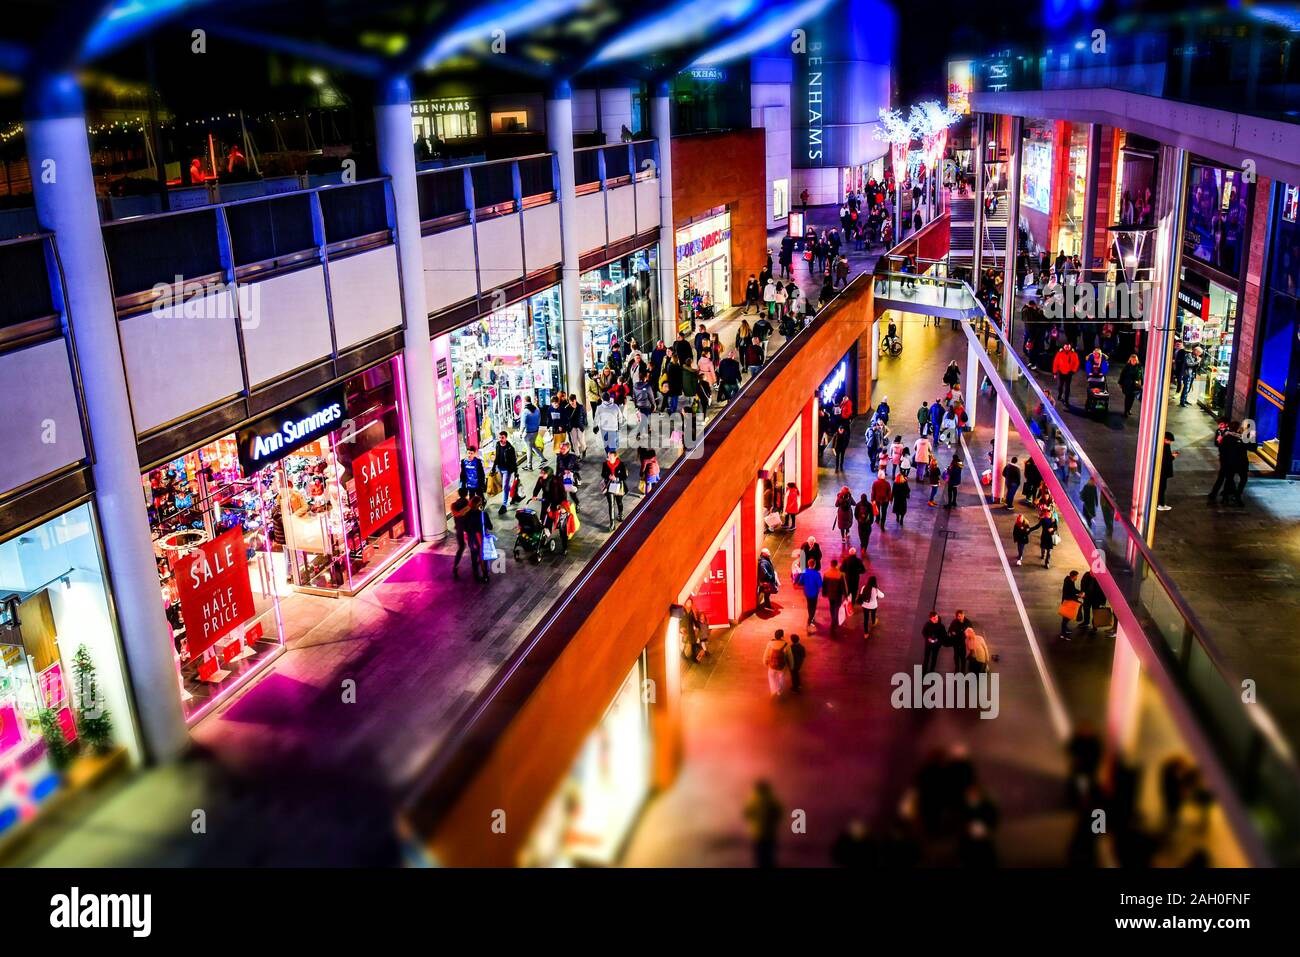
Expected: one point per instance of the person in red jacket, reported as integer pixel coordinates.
(1065, 365)
(881, 492)
(790, 505)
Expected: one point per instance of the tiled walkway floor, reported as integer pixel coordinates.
(1217, 555)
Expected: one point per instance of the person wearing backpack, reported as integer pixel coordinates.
(776, 658)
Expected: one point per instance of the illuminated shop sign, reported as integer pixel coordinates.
(272, 438)
(430, 107)
(703, 243)
(816, 90)
(835, 382)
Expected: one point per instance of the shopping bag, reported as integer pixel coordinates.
(1069, 609)
(494, 483)
(1103, 618)
(772, 520)
(846, 609)
(490, 552)
(540, 441)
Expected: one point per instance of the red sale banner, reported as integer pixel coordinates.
(711, 595)
(216, 594)
(379, 486)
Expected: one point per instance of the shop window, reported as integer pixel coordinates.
(233, 542)
(499, 363)
(780, 198)
(589, 818)
(619, 308)
(64, 709)
(510, 121)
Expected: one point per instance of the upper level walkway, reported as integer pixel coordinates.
(1200, 683)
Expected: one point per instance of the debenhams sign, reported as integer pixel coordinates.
(271, 438)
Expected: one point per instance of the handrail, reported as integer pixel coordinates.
(1263, 764)
(458, 757)
(491, 162)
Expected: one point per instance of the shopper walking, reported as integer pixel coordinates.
(776, 656)
(957, 640)
(870, 601)
(954, 481)
(1130, 382)
(1011, 481)
(834, 588)
(578, 423)
(881, 493)
(933, 636)
(1020, 536)
(505, 463)
(840, 443)
(812, 590)
(763, 814)
(609, 421)
(844, 513)
(1167, 455)
(1064, 366)
(864, 513)
(797, 654)
(768, 583)
(1070, 602)
(613, 479)
(901, 492)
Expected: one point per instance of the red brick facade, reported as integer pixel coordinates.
(726, 169)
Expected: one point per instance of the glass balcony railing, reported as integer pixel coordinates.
(1252, 753)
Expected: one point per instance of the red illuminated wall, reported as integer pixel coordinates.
(1244, 375)
(726, 169)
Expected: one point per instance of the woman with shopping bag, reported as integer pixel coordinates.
(1070, 602)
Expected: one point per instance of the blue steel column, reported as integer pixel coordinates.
(395, 151)
(662, 122)
(58, 152)
(977, 256)
(559, 135)
(1159, 305)
(1001, 422)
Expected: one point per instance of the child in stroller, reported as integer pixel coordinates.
(532, 538)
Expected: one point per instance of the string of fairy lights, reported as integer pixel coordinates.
(139, 125)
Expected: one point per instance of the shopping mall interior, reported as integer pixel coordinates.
(674, 435)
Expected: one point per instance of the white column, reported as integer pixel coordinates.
(1124, 699)
(1001, 429)
(1013, 225)
(972, 380)
(396, 155)
(1159, 305)
(58, 152)
(661, 121)
(559, 135)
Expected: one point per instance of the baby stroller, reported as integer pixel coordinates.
(1098, 401)
(532, 537)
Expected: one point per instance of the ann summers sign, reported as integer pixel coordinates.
(271, 438)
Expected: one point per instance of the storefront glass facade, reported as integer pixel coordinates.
(704, 265)
(1207, 316)
(1069, 232)
(620, 305)
(1275, 424)
(588, 820)
(63, 698)
(498, 363)
(328, 510)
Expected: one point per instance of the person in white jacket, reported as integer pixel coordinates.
(921, 455)
(870, 601)
(609, 420)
